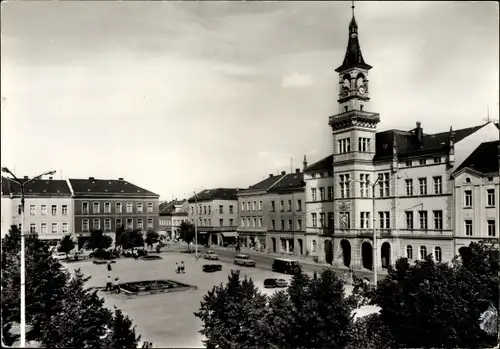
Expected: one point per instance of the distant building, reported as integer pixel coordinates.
(105, 204)
(171, 215)
(215, 212)
(254, 208)
(477, 190)
(48, 207)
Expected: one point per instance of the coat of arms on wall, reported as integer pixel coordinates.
(344, 206)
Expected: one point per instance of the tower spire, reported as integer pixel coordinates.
(352, 9)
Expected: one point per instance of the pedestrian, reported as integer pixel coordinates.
(108, 284)
(183, 270)
(150, 344)
(109, 266)
(117, 285)
(177, 268)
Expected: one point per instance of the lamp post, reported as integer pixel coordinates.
(23, 265)
(196, 225)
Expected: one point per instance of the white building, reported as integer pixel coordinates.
(413, 193)
(171, 216)
(48, 207)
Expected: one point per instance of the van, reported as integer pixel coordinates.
(285, 266)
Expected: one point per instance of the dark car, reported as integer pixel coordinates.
(150, 258)
(102, 261)
(273, 282)
(285, 266)
(102, 254)
(210, 268)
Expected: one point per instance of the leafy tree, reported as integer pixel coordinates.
(187, 233)
(132, 238)
(151, 237)
(66, 244)
(369, 332)
(118, 234)
(98, 240)
(121, 333)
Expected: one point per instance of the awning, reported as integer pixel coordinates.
(202, 232)
(230, 234)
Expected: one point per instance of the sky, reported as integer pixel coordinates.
(183, 96)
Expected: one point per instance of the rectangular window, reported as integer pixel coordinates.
(322, 193)
(221, 209)
(438, 185)
(384, 220)
(107, 207)
(421, 162)
(96, 207)
(363, 144)
(290, 224)
(409, 163)
(491, 228)
(314, 219)
(282, 224)
(344, 145)
(468, 198)
(330, 192)
(139, 207)
(44, 210)
(299, 224)
(409, 187)
(242, 222)
(231, 209)
(383, 184)
(65, 228)
(273, 206)
(364, 182)
(150, 207)
(422, 182)
(32, 210)
(344, 186)
(107, 224)
(289, 205)
(438, 220)
(437, 160)
(139, 223)
(260, 205)
(260, 222)
(364, 220)
(54, 228)
(85, 208)
(209, 209)
(273, 224)
(248, 205)
(221, 222)
(490, 197)
(282, 206)
(322, 220)
(85, 224)
(423, 219)
(150, 223)
(254, 206)
(409, 220)
(204, 209)
(32, 228)
(468, 227)
(299, 205)
(118, 207)
(242, 207)
(331, 220)
(43, 228)
(53, 210)
(313, 191)
(129, 207)
(96, 224)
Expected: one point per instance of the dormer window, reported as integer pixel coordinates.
(467, 180)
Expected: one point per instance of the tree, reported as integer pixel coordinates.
(186, 233)
(66, 244)
(151, 237)
(121, 333)
(118, 235)
(98, 240)
(132, 238)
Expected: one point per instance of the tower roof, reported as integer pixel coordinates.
(353, 57)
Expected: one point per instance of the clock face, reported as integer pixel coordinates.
(362, 90)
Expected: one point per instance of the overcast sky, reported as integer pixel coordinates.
(179, 96)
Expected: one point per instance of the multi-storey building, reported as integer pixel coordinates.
(171, 215)
(413, 195)
(254, 206)
(477, 190)
(105, 204)
(48, 207)
(215, 212)
(286, 229)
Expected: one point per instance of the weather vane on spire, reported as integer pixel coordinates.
(352, 8)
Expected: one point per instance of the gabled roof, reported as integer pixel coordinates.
(215, 194)
(40, 187)
(168, 207)
(289, 182)
(264, 184)
(484, 159)
(323, 164)
(93, 186)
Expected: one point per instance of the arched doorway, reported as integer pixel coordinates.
(385, 254)
(346, 252)
(328, 251)
(367, 255)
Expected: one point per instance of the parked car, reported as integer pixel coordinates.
(135, 253)
(211, 255)
(150, 258)
(78, 255)
(102, 254)
(210, 268)
(60, 256)
(244, 260)
(285, 266)
(273, 282)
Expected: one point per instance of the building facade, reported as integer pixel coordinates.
(397, 180)
(48, 208)
(171, 215)
(477, 188)
(215, 212)
(105, 204)
(286, 212)
(253, 204)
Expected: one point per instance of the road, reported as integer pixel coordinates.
(265, 262)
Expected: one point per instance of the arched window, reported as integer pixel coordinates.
(438, 256)
(467, 180)
(423, 252)
(96, 224)
(409, 252)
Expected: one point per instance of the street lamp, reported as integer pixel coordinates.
(23, 266)
(195, 225)
(373, 227)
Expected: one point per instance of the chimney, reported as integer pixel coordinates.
(297, 170)
(270, 175)
(26, 177)
(419, 132)
(50, 178)
(120, 179)
(283, 173)
(305, 163)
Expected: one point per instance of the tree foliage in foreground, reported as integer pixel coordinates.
(66, 244)
(98, 240)
(60, 311)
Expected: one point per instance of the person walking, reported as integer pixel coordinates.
(108, 284)
(183, 270)
(177, 268)
(109, 266)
